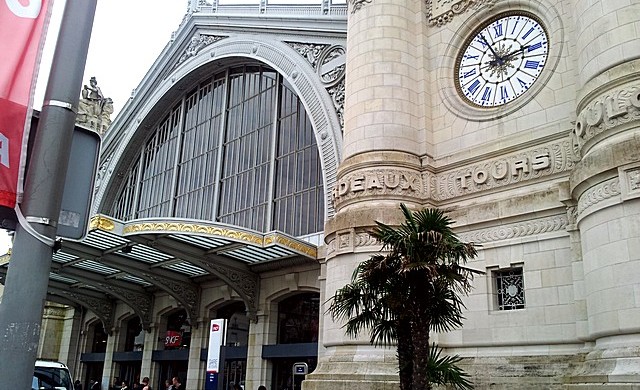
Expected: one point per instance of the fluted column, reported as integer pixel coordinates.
(109, 368)
(258, 372)
(148, 367)
(606, 185)
(196, 370)
(383, 144)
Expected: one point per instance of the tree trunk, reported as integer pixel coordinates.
(405, 353)
(421, 347)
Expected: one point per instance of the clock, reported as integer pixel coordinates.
(501, 60)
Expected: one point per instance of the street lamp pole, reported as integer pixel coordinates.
(28, 274)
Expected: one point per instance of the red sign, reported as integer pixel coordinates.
(173, 339)
(215, 327)
(21, 30)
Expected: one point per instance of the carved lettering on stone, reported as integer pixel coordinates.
(528, 165)
(441, 12)
(606, 112)
(378, 182)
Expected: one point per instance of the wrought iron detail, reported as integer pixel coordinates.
(104, 309)
(186, 294)
(510, 289)
(337, 93)
(141, 303)
(245, 283)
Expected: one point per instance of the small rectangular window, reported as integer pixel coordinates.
(509, 287)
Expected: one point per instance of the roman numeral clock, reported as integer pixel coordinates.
(501, 60)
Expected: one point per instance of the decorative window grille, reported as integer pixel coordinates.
(509, 284)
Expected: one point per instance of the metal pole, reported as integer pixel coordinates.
(28, 274)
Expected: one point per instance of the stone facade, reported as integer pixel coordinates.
(547, 185)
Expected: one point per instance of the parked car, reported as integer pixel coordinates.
(49, 375)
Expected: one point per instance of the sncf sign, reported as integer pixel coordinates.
(173, 339)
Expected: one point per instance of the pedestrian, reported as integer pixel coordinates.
(125, 386)
(177, 385)
(145, 384)
(94, 385)
(167, 384)
(262, 387)
(77, 385)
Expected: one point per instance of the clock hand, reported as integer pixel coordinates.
(497, 57)
(508, 56)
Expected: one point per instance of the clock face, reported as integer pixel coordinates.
(501, 60)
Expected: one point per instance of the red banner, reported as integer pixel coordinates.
(21, 31)
(173, 339)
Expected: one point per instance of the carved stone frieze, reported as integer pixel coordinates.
(440, 12)
(633, 179)
(378, 182)
(186, 294)
(197, 43)
(516, 230)
(531, 164)
(606, 112)
(141, 303)
(352, 241)
(54, 312)
(598, 193)
(357, 4)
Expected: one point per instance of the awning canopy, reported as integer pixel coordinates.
(130, 260)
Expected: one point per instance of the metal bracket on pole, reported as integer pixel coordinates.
(24, 222)
(58, 103)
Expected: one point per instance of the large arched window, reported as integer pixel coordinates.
(238, 149)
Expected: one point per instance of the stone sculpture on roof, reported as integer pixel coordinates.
(94, 109)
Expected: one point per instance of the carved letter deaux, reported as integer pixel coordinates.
(380, 182)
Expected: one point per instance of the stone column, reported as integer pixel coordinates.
(148, 367)
(109, 369)
(70, 351)
(384, 142)
(606, 185)
(257, 371)
(53, 318)
(196, 368)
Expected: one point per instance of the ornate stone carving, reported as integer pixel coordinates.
(310, 51)
(633, 179)
(337, 97)
(516, 230)
(386, 182)
(362, 238)
(329, 61)
(440, 12)
(54, 312)
(523, 166)
(197, 43)
(357, 4)
(100, 222)
(606, 112)
(94, 109)
(187, 295)
(598, 193)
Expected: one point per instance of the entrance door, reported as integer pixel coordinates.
(234, 372)
(169, 369)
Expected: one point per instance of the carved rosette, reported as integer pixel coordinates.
(531, 164)
(516, 230)
(441, 12)
(186, 294)
(606, 112)
(386, 183)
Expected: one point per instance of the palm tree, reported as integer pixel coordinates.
(412, 290)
